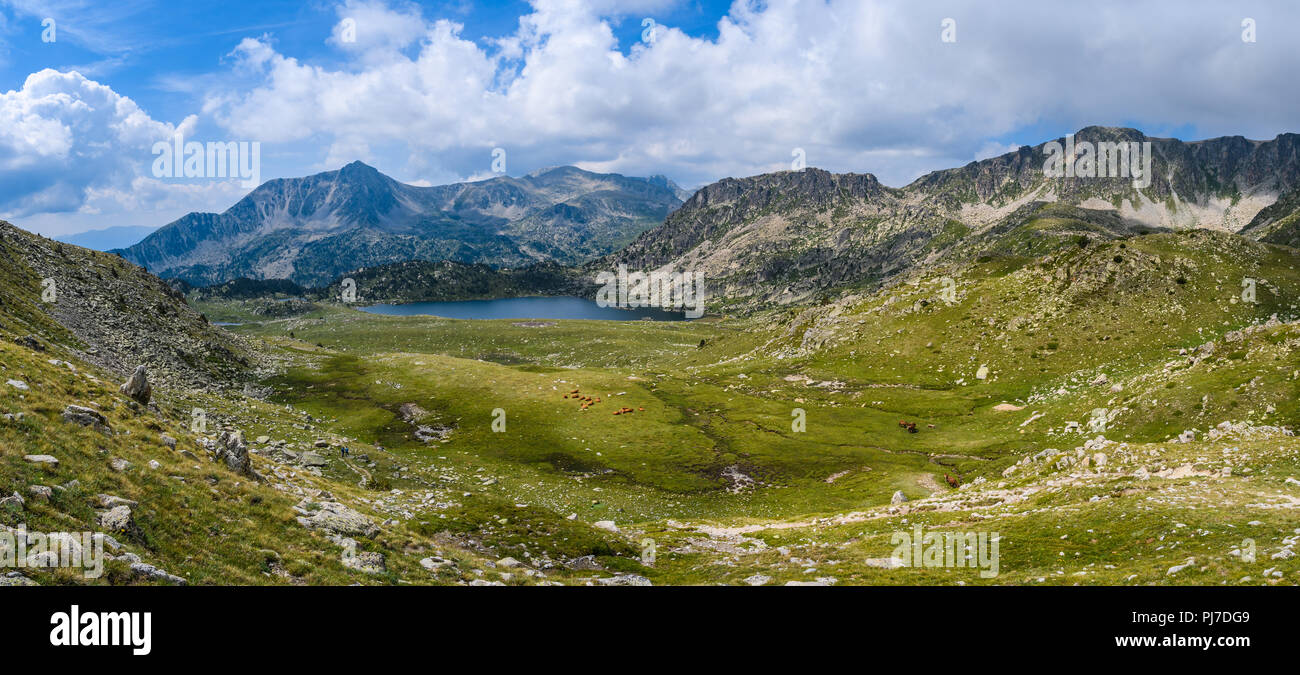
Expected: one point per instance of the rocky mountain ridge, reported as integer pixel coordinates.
(313, 229)
(791, 236)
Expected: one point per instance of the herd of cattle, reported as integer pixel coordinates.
(588, 401)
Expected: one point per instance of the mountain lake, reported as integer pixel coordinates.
(566, 307)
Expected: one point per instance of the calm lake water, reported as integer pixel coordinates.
(525, 308)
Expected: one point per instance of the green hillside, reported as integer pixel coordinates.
(1114, 401)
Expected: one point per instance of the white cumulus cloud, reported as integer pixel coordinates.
(72, 146)
(861, 85)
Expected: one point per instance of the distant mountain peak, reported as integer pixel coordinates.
(315, 228)
(564, 168)
(361, 173)
(358, 167)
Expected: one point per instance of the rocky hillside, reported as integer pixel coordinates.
(785, 236)
(110, 313)
(788, 237)
(1280, 222)
(311, 230)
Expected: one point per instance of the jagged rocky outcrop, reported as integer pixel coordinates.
(233, 452)
(86, 417)
(137, 386)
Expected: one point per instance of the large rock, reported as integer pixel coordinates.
(150, 572)
(16, 579)
(86, 417)
(368, 562)
(625, 580)
(427, 434)
(310, 458)
(586, 562)
(435, 563)
(412, 413)
(138, 387)
(116, 519)
(57, 544)
(46, 460)
(232, 451)
(335, 518)
(111, 501)
(30, 342)
(15, 500)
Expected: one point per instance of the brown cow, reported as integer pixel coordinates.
(951, 481)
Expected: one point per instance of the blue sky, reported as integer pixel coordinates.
(426, 91)
(142, 47)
